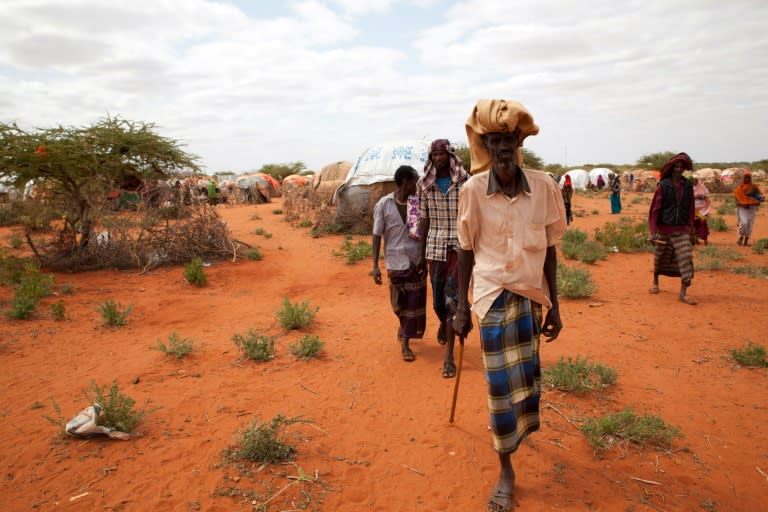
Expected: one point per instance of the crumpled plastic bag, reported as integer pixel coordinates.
(85, 425)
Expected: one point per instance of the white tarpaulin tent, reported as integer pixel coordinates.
(579, 179)
(373, 176)
(378, 163)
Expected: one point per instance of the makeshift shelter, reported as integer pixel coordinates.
(373, 176)
(252, 188)
(296, 182)
(579, 179)
(328, 179)
(647, 181)
(274, 185)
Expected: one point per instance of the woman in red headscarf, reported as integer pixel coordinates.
(670, 221)
(567, 192)
(748, 198)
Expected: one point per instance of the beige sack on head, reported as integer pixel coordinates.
(496, 116)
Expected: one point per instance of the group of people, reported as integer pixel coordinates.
(498, 229)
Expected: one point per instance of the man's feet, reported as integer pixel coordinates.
(449, 369)
(740, 241)
(688, 300)
(408, 354)
(501, 496)
(654, 289)
(441, 339)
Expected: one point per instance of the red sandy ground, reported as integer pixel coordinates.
(380, 438)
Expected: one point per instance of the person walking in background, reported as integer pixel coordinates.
(444, 175)
(748, 198)
(567, 192)
(407, 283)
(509, 221)
(615, 193)
(212, 192)
(600, 182)
(702, 204)
(670, 222)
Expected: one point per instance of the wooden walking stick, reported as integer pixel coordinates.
(458, 377)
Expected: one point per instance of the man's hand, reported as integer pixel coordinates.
(376, 275)
(462, 321)
(552, 325)
(421, 264)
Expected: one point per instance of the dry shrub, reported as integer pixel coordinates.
(143, 239)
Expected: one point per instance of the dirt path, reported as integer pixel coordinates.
(380, 438)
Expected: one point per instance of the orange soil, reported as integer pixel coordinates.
(380, 437)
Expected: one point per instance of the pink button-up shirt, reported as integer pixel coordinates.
(509, 236)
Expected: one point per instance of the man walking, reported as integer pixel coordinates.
(509, 221)
(670, 222)
(407, 283)
(439, 188)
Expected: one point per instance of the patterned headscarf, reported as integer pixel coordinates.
(456, 166)
(491, 116)
(683, 158)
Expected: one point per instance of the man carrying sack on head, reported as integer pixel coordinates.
(509, 220)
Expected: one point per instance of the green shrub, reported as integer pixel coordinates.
(277, 211)
(331, 228)
(58, 313)
(307, 348)
(760, 246)
(263, 232)
(751, 355)
(113, 313)
(626, 426)
(709, 264)
(728, 206)
(255, 254)
(255, 216)
(32, 287)
(255, 346)
(579, 375)
(574, 282)
(194, 273)
(720, 253)
(66, 288)
(717, 224)
(752, 271)
(305, 223)
(15, 241)
(116, 408)
(296, 315)
(11, 269)
(354, 251)
(625, 235)
(176, 346)
(574, 236)
(262, 442)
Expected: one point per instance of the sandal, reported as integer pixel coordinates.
(654, 290)
(500, 501)
(689, 300)
(449, 370)
(408, 355)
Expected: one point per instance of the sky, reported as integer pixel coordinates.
(245, 83)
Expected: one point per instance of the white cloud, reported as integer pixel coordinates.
(609, 82)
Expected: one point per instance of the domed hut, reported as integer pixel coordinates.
(373, 176)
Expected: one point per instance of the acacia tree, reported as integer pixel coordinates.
(530, 159)
(655, 160)
(76, 167)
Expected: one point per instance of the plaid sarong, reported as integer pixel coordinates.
(444, 276)
(408, 294)
(675, 258)
(509, 336)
